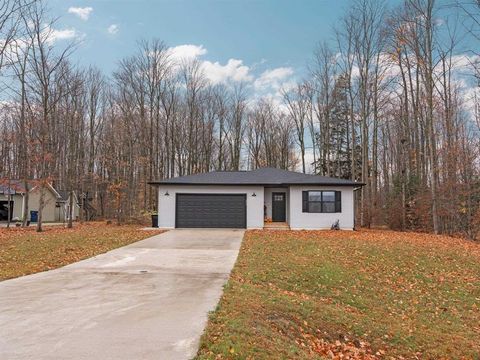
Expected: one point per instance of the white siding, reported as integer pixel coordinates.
(17, 204)
(300, 220)
(49, 210)
(63, 211)
(166, 204)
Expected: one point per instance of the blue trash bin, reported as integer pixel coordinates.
(33, 216)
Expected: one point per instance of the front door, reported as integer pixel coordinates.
(278, 207)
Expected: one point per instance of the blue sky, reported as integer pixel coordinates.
(263, 34)
(267, 43)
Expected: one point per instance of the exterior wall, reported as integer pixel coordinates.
(300, 220)
(62, 213)
(166, 204)
(76, 210)
(49, 211)
(268, 201)
(17, 204)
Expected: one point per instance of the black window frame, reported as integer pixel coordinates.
(337, 202)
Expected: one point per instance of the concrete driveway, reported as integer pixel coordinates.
(148, 300)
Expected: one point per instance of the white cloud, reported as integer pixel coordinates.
(48, 35)
(464, 62)
(64, 34)
(439, 21)
(233, 70)
(270, 86)
(82, 13)
(471, 96)
(186, 52)
(275, 74)
(273, 78)
(463, 77)
(113, 29)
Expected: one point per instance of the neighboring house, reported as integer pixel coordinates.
(63, 206)
(248, 199)
(55, 209)
(16, 191)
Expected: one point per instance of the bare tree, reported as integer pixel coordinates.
(45, 65)
(298, 102)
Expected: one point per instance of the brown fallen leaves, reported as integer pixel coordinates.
(384, 237)
(341, 350)
(24, 251)
(318, 345)
(367, 294)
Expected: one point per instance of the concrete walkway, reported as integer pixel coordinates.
(148, 300)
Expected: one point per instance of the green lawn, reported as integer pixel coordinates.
(367, 294)
(24, 251)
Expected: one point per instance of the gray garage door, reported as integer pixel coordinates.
(211, 211)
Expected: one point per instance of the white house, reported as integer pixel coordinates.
(249, 199)
(63, 206)
(56, 203)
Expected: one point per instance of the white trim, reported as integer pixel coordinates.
(52, 189)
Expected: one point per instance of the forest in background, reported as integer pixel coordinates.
(384, 103)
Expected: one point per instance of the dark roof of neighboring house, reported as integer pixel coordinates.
(262, 176)
(16, 186)
(65, 195)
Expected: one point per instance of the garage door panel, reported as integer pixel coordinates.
(211, 210)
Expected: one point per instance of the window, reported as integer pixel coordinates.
(278, 197)
(322, 201)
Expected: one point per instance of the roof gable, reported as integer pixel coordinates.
(65, 196)
(16, 186)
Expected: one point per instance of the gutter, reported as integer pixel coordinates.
(157, 183)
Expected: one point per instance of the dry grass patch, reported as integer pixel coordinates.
(357, 295)
(24, 251)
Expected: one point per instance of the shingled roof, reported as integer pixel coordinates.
(12, 186)
(262, 176)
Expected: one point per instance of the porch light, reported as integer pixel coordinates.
(254, 194)
(167, 194)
